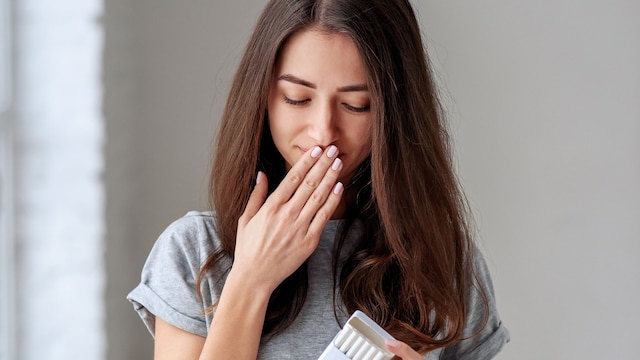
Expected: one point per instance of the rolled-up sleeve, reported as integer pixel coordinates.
(167, 286)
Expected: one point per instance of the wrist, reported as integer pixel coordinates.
(248, 285)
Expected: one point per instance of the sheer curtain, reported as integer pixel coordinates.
(57, 211)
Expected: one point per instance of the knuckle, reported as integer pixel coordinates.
(311, 240)
(322, 216)
(295, 178)
(289, 212)
(316, 198)
(310, 182)
(268, 207)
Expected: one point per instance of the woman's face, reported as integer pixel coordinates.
(318, 96)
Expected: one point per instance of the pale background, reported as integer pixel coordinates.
(543, 99)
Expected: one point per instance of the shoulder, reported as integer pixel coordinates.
(193, 224)
(167, 287)
(192, 236)
(184, 246)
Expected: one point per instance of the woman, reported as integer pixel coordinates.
(355, 205)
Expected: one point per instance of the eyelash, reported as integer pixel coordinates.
(303, 102)
(294, 102)
(357, 109)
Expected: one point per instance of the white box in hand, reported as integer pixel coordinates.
(360, 339)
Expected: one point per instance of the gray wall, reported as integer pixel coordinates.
(167, 66)
(543, 100)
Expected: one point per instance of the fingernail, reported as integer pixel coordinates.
(316, 152)
(337, 163)
(392, 343)
(332, 151)
(338, 188)
(259, 177)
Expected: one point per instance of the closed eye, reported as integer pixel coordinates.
(295, 102)
(357, 109)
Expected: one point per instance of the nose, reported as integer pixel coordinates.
(322, 125)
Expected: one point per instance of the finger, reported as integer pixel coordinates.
(256, 199)
(317, 183)
(402, 350)
(323, 215)
(294, 177)
(320, 195)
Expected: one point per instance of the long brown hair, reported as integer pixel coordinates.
(411, 269)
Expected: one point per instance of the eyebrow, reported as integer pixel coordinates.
(296, 80)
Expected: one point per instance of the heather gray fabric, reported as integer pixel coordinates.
(168, 281)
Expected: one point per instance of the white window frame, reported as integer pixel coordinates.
(7, 246)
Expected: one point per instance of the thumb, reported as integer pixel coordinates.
(402, 350)
(256, 199)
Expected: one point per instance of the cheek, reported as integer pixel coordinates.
(277, 119)
(361, 139)
(281, 125)
(359, 144)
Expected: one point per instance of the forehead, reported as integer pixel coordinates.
(320, 56)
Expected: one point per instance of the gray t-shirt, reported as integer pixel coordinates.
(167, 290)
